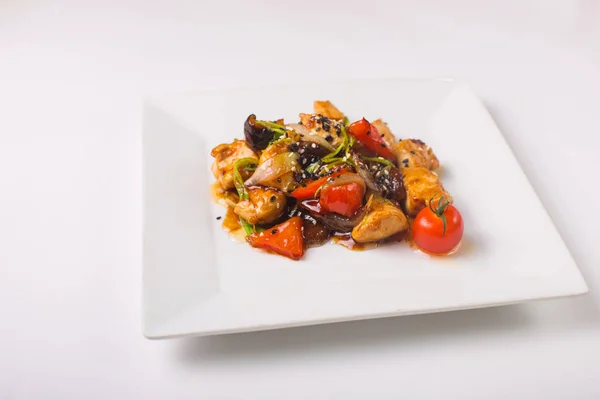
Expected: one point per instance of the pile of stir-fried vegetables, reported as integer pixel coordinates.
(299, 184)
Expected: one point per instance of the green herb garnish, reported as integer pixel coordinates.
(379, 160)
(341, 147)
(273, 126)
(248, 164)
(312, 168)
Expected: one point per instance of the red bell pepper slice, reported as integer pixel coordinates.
(308, 191)
(284, 239)
(343, 199)
(370, 137)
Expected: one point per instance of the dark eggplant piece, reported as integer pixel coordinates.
(314, 232)
(256, 135)
(333, 221)
(393, 185)
(308, 152)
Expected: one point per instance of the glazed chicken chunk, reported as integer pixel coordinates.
(263, 206)
(385, 131)
(274, 149)
(226, 155)
(328, 129)
(327, 109)
(421, 186)
(414, 153)
(382, 220)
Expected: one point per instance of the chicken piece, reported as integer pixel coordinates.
(278, 147)
(414, 153)
(384, 130)
(382, 220)
(226, 154)
(421, 186)
(263, 206)
(329, 129)
(327, 109)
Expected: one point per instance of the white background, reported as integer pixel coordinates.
(71, 78)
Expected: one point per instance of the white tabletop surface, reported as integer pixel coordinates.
(71, 78)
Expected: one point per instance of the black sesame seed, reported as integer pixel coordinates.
(412, 152)
(219, 217)
(294, 147)
(382, 135)
(279, 180)
(318, 129)
(273, 198)
(274, 231)
(405, 161)
(368, 132)
(383, 145)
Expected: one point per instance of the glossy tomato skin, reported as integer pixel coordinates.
(344, 199)
(428, 230)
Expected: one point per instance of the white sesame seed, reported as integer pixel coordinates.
(304, 161)
(314, 146)
(385, 171)
(387, 181)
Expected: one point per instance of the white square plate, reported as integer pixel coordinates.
(199, 282)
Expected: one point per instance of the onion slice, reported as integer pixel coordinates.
(343, 224)
(345, 179)
(363, 171)
(299, 128)
(273, 168)
(308, 136)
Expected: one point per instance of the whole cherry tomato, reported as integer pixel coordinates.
(438, 229)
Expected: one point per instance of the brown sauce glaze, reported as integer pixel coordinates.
(223, 197)
(345, 239)
(231, 224)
